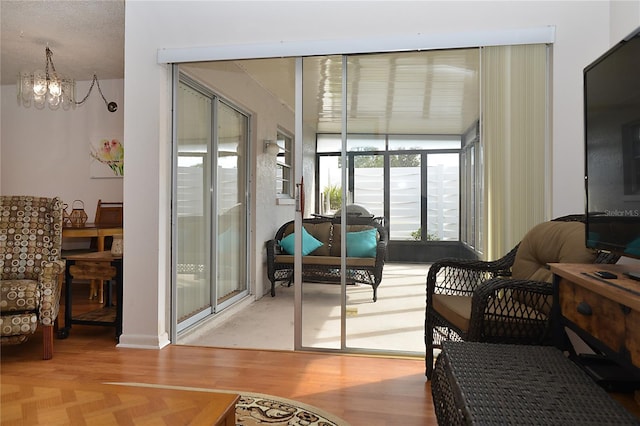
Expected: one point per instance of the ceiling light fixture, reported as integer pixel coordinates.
(51, 88)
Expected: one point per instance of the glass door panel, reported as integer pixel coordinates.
(211, 162)
(231, 258)
(388, 183)
(321, 292)
(193, 206)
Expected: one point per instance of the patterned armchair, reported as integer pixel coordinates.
(30, 268)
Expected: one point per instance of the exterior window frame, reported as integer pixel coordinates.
(285, 173)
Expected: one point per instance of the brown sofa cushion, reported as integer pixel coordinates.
(550, 242)
(320, 231)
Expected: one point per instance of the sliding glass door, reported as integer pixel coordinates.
(378, 156)
(210, 231)
(395, 133)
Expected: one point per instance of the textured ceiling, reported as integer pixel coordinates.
(86, 37)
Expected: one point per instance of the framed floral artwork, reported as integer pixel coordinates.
(107, 159)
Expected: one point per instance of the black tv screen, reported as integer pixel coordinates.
(612, 149)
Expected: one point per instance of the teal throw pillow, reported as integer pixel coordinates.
(309, 243)
(362, 243)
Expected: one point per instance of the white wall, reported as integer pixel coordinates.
(625, 16)
(583, 33)
(46, 152)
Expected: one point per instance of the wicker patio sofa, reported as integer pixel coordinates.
(366, 251)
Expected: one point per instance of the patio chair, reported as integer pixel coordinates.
(507, 300)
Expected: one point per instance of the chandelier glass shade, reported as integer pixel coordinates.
(46, 87)
(52, 88)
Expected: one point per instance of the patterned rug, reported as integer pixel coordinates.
(254, 409)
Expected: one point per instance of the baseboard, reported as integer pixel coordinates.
(140, 341)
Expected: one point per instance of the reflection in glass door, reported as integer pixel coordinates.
(210, 203)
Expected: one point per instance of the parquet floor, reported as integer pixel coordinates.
(362, 390)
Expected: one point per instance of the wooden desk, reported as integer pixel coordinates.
(91, 230)
(102, 266)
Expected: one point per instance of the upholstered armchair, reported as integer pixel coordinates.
(30, 268)
(507, 300)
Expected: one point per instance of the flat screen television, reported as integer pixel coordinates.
(612, 149)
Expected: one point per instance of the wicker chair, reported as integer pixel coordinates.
(507, 300)
(30, 268)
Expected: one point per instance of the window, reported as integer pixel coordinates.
(284, 172)
(420, 200)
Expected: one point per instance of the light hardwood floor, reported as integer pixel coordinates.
(362, 390)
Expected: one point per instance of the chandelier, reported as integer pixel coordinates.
(51, 88)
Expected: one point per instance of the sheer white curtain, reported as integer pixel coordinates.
(515, 139)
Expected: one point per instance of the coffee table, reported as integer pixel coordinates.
(32, 400)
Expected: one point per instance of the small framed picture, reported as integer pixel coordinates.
(107, 159)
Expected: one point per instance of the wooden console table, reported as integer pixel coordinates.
(604, 313)
(103, 266)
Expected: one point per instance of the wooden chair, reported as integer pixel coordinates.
(109, 213)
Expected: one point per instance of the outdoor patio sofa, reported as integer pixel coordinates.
(366, 250)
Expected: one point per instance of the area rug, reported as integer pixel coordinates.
(254, 409)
